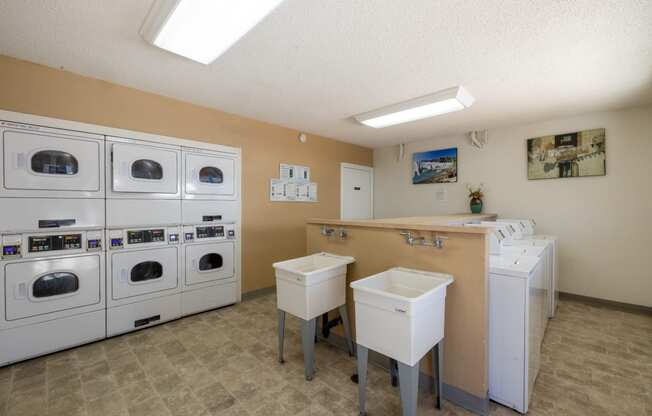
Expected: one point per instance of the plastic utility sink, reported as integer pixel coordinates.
(400, 312)
(310, 286)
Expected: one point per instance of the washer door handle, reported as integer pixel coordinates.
(20, 291)
(123, 275)
(193, 265)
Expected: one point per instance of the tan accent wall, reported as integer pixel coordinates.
(271, 231)
(463, 256)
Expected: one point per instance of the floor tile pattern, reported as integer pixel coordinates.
(596, 361)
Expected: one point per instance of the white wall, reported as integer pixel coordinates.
(602, 222)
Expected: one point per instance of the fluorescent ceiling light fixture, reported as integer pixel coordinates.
(442, 102)
(202, 30)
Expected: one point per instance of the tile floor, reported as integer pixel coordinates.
(596, 361)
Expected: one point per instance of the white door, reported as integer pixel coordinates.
(146, 169)
(140, 272)
(209, 262)
(357, 183)
(48, 162)
(42, 287)
(209, 175)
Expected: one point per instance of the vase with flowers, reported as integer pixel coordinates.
(475, 195)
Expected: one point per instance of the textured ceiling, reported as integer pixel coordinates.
(312, 64)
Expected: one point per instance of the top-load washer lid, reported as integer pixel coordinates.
(515, 266)
(542, 237)
(523, 250)
(44, 162)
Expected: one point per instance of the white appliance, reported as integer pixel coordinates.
(67, 195)
(502, 242)
(52, 292)
(42, 162)
(143, 275)
(142, 177)
(210, 175)
(210, 256)
(517, 320)
(525, 226)
(211, 218)
(549, 242)
(528, 237)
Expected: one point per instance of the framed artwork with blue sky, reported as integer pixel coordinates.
(435, 166)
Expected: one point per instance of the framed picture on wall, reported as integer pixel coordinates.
(567, 155)
(435, 166)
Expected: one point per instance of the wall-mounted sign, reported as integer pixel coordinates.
(294, 173)
(293, 185)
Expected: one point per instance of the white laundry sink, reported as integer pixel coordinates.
(310, 286)
(400, 312)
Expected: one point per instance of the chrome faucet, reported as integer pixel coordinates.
(327, 231)
(438, 241)
(412, 240)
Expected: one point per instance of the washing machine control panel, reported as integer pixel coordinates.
(146, 236)
(50, 244)
(54, 242)
(208, 232)
(140, 237)
(211, 231)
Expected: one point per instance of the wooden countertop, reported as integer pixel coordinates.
(444, 223)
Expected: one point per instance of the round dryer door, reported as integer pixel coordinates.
(143, 272)
(209, 262)
(208, 176)
(41, 287)
(43, 162)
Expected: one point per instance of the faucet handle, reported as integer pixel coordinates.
(438, 241)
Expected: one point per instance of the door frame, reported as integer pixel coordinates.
(369, 169)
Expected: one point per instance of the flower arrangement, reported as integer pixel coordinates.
(476, 194)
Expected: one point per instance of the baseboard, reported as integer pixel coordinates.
(620, 306)
(457, 396)
(258, 293)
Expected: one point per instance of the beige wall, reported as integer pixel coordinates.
(603, 222)
(271, 231)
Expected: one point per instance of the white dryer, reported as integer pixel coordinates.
(517, 320)
(42, 162)
(210, 175)
(52, 292)
(142, 177)
(143, 284)
(211, 267)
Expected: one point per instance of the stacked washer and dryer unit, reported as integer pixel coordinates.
(52, 274)
(103, 235)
